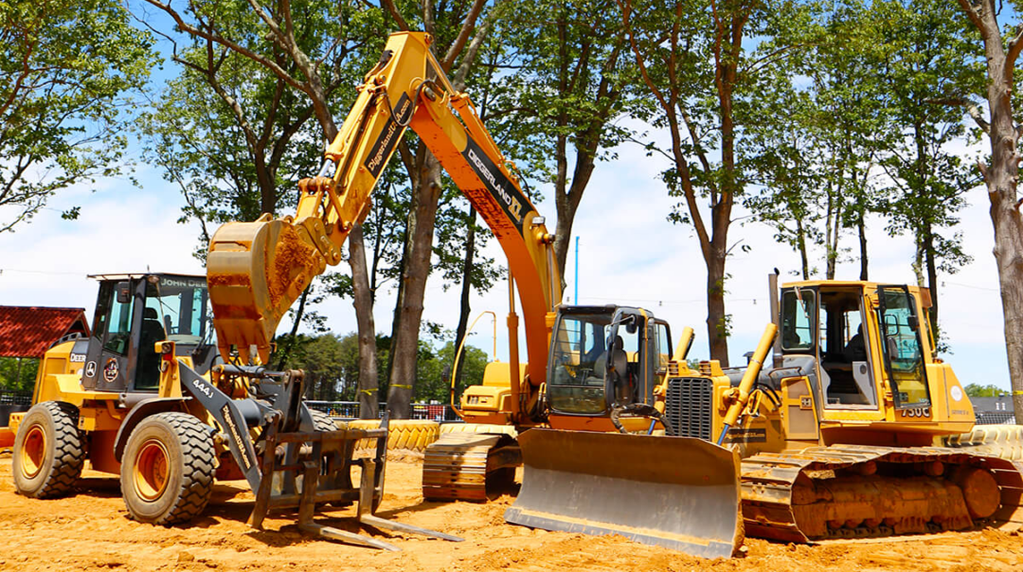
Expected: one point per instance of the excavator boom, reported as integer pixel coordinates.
(257, 270)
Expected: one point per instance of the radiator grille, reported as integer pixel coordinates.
(689, 406)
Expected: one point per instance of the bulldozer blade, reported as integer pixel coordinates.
(676, 492)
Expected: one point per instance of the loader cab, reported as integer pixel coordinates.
(605, 356)
(860, 335)
(133, 313)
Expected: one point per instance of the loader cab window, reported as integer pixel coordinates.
(901, 346)
(798, 320)
(175, 310)
(179, 304)
(846, 375)
(113, 320)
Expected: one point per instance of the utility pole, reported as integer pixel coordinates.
(575, 298)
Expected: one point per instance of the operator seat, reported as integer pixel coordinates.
(147, 372)
(622, 384)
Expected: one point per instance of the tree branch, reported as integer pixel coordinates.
(972, 108)
(192, 30)
(463, 35)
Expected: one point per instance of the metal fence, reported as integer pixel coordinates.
(350, 410)
(15, 397)
(996, 418)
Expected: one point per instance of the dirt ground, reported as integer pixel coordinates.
(90, 531)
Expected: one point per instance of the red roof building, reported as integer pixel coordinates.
(28, 331)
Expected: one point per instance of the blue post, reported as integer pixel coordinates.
(575, 299)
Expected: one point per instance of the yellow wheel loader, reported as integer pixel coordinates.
(841, 437)
(146, 397)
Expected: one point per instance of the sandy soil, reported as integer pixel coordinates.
(90, 531)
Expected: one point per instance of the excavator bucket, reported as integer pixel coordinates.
(676, 492)
(255, 271)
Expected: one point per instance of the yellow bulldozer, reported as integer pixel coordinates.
(843, 436)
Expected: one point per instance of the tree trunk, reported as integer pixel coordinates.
(932, 279)
(285, 355)
(1005, 216)
(717, 324)
(463, 315)
(362, 299)
(801, 246)
(862, 230)
(417, 269)
(1001, 177)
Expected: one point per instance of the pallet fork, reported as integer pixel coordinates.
(299, 467)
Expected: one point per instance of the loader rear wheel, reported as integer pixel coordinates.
(48, 451)
(167, 470)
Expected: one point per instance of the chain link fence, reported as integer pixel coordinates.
(350, 410)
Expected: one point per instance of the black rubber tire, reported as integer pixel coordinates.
(322, 422)
(63, 451)
(190, 457)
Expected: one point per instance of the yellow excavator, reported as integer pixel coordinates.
(257, 270)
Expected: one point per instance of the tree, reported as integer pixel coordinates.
(64, 74)
(452, 27)
(691, 59)
(18, 374)
(926, 56)
(574, 78)
(1001, 173)
(815, 137)
(435, 366)
(991, 390)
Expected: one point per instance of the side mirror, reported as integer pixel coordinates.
(123, 292)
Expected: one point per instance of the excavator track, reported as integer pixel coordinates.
(469, 466)
(851, 491)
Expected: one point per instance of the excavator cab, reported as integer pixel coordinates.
(604, 358)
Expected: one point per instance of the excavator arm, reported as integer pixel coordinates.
(256, 270)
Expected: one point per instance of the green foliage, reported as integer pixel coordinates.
(331, 363)
(975, 390)
(434, 368)
(868, 128)
(18, 374)
(65, 70)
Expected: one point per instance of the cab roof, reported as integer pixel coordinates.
(136, 275)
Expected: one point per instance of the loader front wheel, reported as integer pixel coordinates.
(48, 451)
(167, 470)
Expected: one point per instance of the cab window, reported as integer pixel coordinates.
(900, 331)
(114, 325)
(798, 309)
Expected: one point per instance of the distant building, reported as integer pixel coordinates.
(28, 331)
(994, 410)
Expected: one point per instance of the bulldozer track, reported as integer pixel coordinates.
(768, 481)
(458, 465)
(1005, 441)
